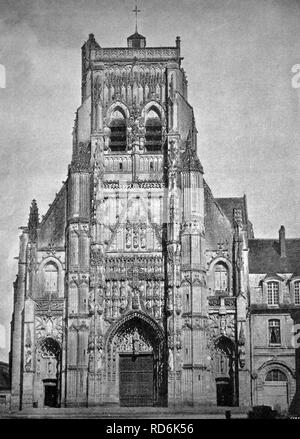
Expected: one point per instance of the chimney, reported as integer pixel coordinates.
(282, 243)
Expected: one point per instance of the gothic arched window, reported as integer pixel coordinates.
(51, 278)
(221, 277)
(153, 132)
(118, 132)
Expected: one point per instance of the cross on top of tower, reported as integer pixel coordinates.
(136, 11)
(136, 41)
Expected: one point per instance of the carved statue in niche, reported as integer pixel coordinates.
(142, 129)
(115, 290)
(143, 236)
(156, 289)
(99, 351)
(91, 361)
(123, 304)
(115, 301)
(107, 289)
(135, 237)
(100, 293)
(170, 300)
(130, 133)
(178, 340)
(123, 301)
(91, 341)
(171, 360)
(99, 359)
(156, 308)
(128, 235)
(142, 290)
(178, 301)
(91, 302)
(148, 289)
(97, 89)
(148, 305)
(223, 325)
(28, 359)
(28, 337)
(179, 359)
(99, 162)
(106, 131)
(135, 299)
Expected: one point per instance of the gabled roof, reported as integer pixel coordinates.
(229, 204)
(264, 256)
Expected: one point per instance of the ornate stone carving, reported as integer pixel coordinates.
(134, 341)
(81, 158)
(49, 307)
(48, 327)
(163, 53)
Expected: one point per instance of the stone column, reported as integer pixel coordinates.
(17, 330)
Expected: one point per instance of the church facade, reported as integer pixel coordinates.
(138, 287)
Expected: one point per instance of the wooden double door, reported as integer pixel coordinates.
(136, 380)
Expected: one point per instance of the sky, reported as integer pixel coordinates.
(238, 56)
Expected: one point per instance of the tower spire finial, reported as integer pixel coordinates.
(136, 11)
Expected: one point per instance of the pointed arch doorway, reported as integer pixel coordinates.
(136, 363)
(224, 360)
(48, 372)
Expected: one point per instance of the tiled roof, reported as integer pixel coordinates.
(229, 204)
(264, 256)
(136, 36)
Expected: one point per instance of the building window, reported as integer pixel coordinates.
(297, 292)
(273, 293)
(118, 132)
(274, 332)
(221, 277)
(276, 375)
(153, 132)
(51, 278)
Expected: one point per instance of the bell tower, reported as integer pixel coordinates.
(127, 274)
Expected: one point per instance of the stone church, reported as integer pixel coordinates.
(138, 287)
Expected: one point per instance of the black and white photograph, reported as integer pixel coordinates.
(149, 212)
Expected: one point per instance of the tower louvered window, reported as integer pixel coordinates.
(153, 132)
(118, 132)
